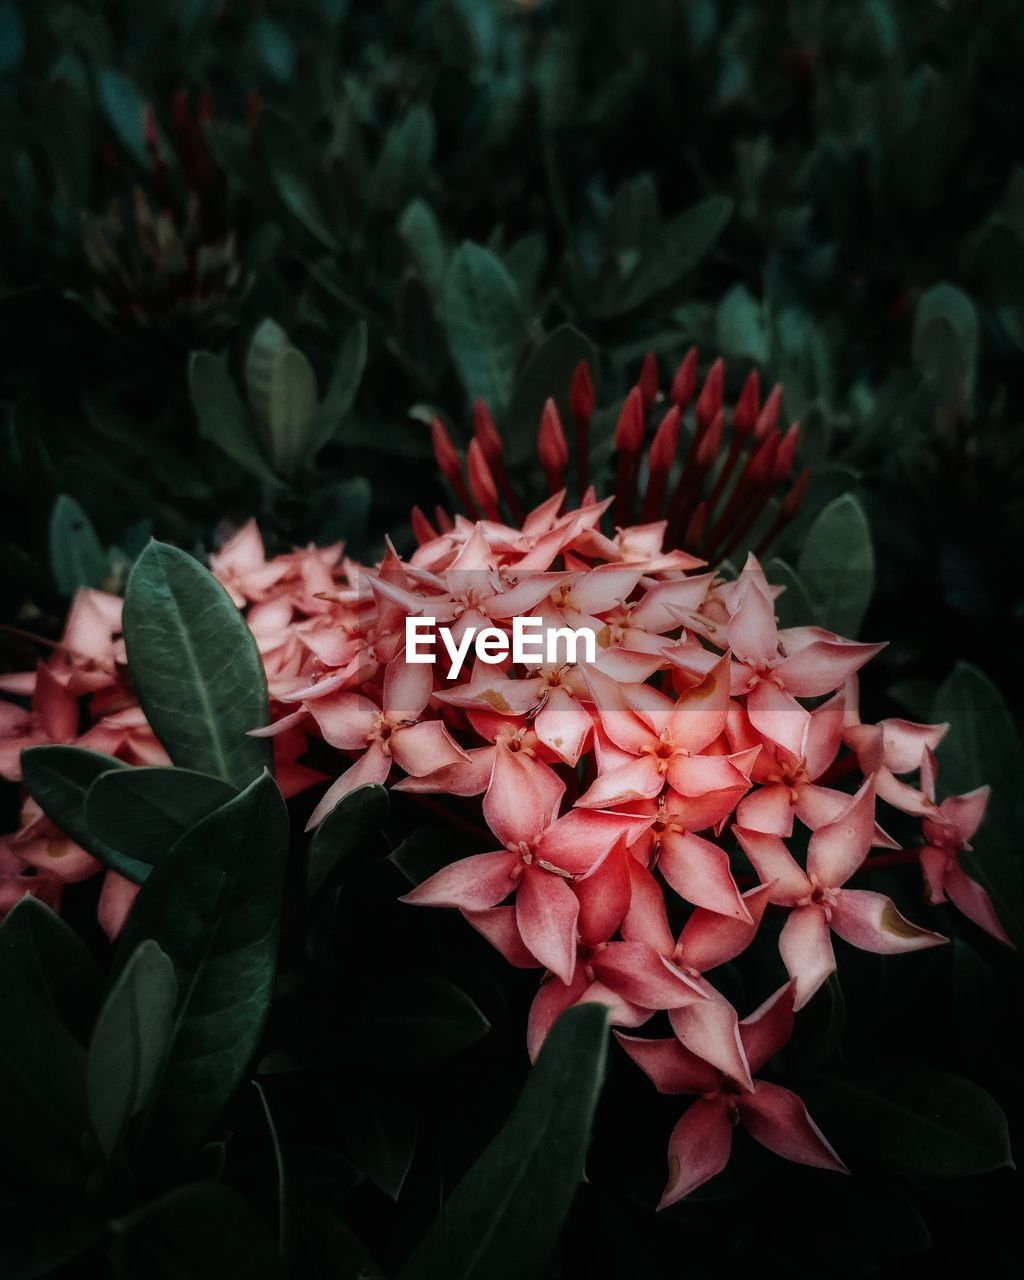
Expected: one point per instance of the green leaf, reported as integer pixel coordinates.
(421, 234)
(42, 1086)
(983, 748)
(379, 1132)
(413, 1021)
(404, 162)
(353, 825)
(504, 1217)
(485, 322)
(342, 389)
(919, 1120)
(195, 666)
(945, 346)
(129, 1043)
(793, 608)
(223, 418)
(837, 566)
(212, 904)
(58, 779)
(289, 162)
(142, 812)
(53, 960)
(77, 558)
(741, 327)
(202, 1231)
(343, 511)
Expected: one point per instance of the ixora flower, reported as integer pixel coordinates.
(647, 797)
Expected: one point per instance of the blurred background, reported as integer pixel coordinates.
(407, 205)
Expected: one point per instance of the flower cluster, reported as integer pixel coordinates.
(668, 781)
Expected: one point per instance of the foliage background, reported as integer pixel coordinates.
(420, 195)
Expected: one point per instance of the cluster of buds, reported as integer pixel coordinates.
(712, 474)
(701, 766)
(168, 261)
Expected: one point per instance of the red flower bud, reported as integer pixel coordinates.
(685, 381)
(581, 395)
(648, 381)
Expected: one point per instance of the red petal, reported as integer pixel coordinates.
(698, 1148)
(471, 883)
(546, 911)
(779, 1121)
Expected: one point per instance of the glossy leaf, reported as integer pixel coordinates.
(195, 666)
(837, 566)
(212, 904)
(503, 1218)
(77, 557)
(485, 322)
(53, 960)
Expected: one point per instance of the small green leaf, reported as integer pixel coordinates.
(503, 1219)
(53, 960)
(77, 557)
(413, 1021)
(195, 666)
(422, 237)
(341, 390)
(142, 812)
(290, 166)
(125, 109)
(223, 418)
(212, 904)
(923, 1121)
(353, 825)
(485, 322)
(130, 1042)
(58, 779)
(404, 162)
(379, 1132)
(945, 345)
(202, 1231)
(837, 566)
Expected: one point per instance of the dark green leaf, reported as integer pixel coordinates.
(350, 830)
(202, 1231)
(77, 557)
(923, 1121)
(195, 666)
(837, 566)
(142, 812)
(504, 1217)
(485, 322)
(58, 779)
(379, 1132)
(289, 163)
(412, 1021)
(53, 960)
(223, 418)
(212, 904)
(129, 1043)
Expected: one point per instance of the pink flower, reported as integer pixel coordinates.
(819, 902)
(542, 856)
(946, 836)
(700, 1143)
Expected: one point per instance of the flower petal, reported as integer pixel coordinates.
(806, 950)
(522, 797)
(471, 884)
(699, 872)
(546, 911)
(871, 921)
(710, 1029)
(779, 1120)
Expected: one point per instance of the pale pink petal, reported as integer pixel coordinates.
(603, 896)
(778, 716)
(870, 921)
(699, 872)
(603, 588)
(116, 898)
(407, 688)
(934, 863)
(778, 1120)
(700, 712)
(646, 920)
(498, 925)
(670, 1067)
(710, 1029)
(546, 911)
(824, 735)
(640, 975)
(552, 999)
(709, 939)
(973, 900)
(522, 797)
(697, 1149)
(774, 864)
(824, 666)
(638, 780)
(768, 809)
(697, 775)
(768, 1029)
(466, 777)
(582, 837)
(806, 950)
(905, 743)
(420, 749)
(751, 632)
(345, 720)
(563, 726)
(966, 812)
(471, 884)
(837, 849)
